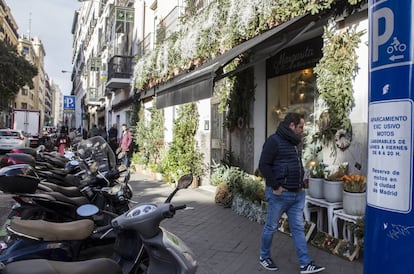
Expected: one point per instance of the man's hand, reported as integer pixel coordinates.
(279, 190)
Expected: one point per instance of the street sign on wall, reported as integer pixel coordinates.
(389, 222)
(69, 104)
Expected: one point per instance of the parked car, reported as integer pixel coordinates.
(10, 138)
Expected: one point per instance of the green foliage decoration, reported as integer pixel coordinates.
(182, 155)
(220, 26)
(240, 100)
(150, 137)
(335, 73)
(239, 182)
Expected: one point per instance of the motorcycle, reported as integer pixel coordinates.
(101, 184)
(141, 245)
(49, 167)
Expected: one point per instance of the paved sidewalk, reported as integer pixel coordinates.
(224, 242)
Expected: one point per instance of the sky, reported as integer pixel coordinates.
(51, 21)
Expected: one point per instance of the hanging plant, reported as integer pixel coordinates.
(335, 73)
(220, 26)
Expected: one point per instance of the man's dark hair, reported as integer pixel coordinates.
(293, 117)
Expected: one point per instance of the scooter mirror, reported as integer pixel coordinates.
(87, 210)
(185, 181)
(122, 168)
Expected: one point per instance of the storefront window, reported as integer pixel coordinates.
(292, 92)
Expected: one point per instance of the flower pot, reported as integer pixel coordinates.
(354, 203)
(315, 188)
(332, 190)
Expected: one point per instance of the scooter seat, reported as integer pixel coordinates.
(70, 191)
(41, 266)
(78, 201)
(48, 231)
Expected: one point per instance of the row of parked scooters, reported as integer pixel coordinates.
(72, 214)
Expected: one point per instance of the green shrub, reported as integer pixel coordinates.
(248, 186)
(182, 155)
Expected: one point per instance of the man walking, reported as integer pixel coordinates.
(281, 165)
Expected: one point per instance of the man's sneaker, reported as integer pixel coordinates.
(311, 268)
(268, 264)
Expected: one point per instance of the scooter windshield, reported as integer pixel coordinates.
(97, 153)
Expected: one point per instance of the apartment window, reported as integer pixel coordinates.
(24, 105)
(25, 91)
(124, 19)
(25, 50)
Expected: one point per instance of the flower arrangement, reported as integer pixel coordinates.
(316, 171)
(355, 183)
(335, 172)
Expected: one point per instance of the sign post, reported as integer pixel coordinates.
(389, 227)
(69, 103)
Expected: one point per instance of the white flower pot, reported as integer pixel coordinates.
(332, 190)
(354, 203)
(315, 188)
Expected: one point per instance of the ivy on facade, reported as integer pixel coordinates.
(335, 74)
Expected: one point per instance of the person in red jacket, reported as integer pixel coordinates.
(63, 141)
(125, 145)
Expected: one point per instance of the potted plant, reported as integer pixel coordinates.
(316, 176)
(354, 194)
(333, 184)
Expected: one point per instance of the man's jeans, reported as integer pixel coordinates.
(292, 203)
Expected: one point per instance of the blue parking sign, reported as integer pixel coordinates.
(390, 34)
(389, 219)
(69, 103)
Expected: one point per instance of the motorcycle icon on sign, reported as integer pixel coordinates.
(396, 46)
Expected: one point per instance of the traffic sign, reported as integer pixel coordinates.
(389, 218)
(69, 103)
(390, 34)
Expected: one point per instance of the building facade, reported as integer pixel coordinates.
(177, 52)
(103, 62)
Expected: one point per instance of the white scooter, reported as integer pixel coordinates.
(142, 246)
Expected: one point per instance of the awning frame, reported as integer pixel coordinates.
(198, 84)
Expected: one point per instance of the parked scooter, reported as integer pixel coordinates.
(142, 246)
(101, 184)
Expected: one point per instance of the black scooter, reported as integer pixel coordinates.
(141, 246)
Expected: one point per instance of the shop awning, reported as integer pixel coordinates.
(198, 84)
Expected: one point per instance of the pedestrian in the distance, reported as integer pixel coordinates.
(125, 144)
(281, 165)
(63, 141)
(94, 131)
(113, 137)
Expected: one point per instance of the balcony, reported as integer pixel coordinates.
(169, 24)
(94, 96)
(119, 72)
(146, 45)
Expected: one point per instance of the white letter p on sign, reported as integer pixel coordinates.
(379, 39)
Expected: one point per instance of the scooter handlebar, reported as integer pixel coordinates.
(179, 207)
(172, 209)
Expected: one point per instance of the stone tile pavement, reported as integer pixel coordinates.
(223, 242)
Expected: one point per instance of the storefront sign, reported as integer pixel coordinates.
(300, 56)
(389, 222)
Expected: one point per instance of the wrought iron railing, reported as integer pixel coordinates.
(120, 67)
